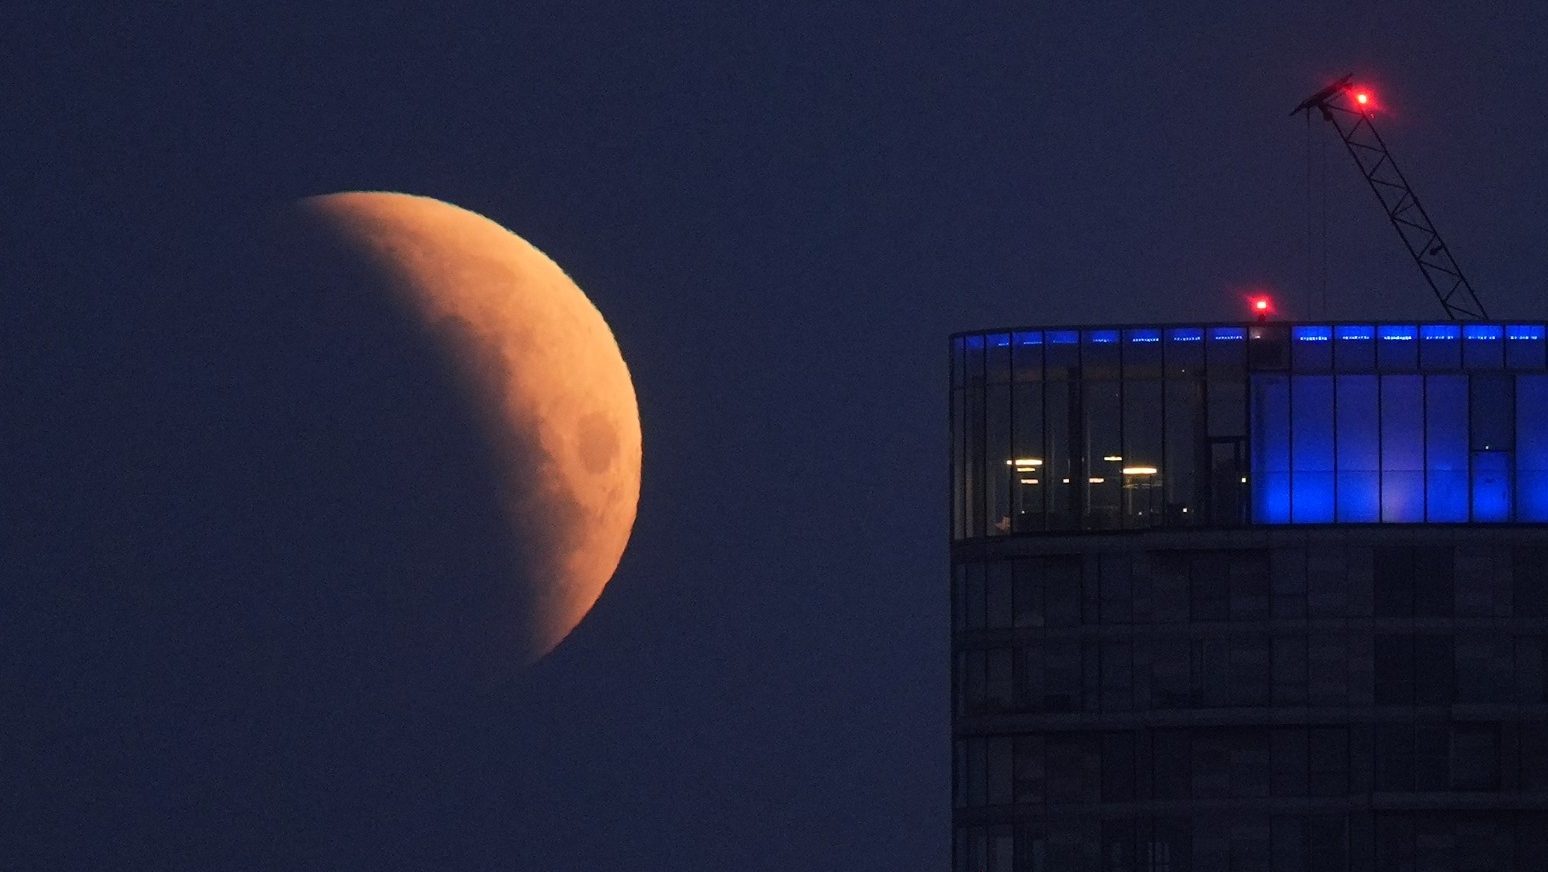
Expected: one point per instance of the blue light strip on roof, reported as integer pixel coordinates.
(1185, 334)
(1227, 333)
(1063, 337)
(1396, 333)
(1034, 338)
(1483, 331)
(975, 341)
(1103, 336)
(1144, 335)
(1312, 334)
(1524, 331)
(1439, 331)
(1355, 331)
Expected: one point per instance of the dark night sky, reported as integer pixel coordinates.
(782, 212)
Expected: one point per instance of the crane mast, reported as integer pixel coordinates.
(1349, 111)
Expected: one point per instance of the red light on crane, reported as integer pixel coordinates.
(1362, 98)
(1261, 306)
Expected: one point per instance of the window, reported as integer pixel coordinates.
(1289, 665)
(1249, 678)
(998, 790)
(1328, 752)
(1027, 593)
(1118, 767)
(997, 591)
(1210, 582)
(1327, 669)
(1061, 602)
(1287, 756)
(1394, 677)
(1028, 770)
(1117, 676)
(1171, 756)
(1475, 757)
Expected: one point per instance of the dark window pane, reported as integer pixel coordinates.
(1118, 761)
(1394, 669)
(1328, 750)
(1394, 753)
(1028, 770)
(997, 590)
(1287, 754)
(1289, 657)
(1394, 582)
(1432, 762)
(1062, 592)
(1171, 755)
(1475, 757)
(1117, 676)
(1027, 592)
(1249, 670)
(1117, 591)
(1433, 664)
(1209, 586)
(1249, 586)
(1434, 581)
(999, 770)
(1170, 682)
(973, 598)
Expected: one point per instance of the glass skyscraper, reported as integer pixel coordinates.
(1258, 596)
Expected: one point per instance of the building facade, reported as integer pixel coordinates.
(1250, 597)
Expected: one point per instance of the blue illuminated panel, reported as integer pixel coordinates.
(1445, 461)
(1532, 447)
(1402, 448)
(1311, 449)
(1359, 450)
(1271, 450)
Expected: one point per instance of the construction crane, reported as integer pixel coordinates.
(1348, 109)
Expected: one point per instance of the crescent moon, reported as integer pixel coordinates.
(546, 373)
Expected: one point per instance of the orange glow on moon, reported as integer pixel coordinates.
(543, 367)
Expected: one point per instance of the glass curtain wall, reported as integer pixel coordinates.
(1142, 427)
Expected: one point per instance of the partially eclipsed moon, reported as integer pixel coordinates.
(546, 374)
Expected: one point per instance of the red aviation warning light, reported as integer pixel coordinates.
(1362, 98)
(1261, 307)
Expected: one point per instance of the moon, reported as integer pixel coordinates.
(546, 376)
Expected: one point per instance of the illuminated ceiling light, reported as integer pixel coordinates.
(1096, 480)
(1112, 458)
(1029, 481)
(1065, 480)
(1244, 479)
(1140, 470)
(1025, 461)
